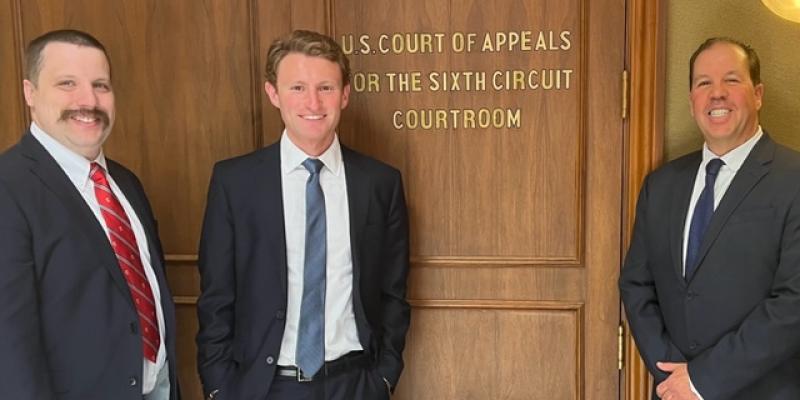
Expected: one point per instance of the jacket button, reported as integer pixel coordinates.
(690, 295)
(134, 329)
(270, 360)
(132, 381)
(280, 315)
(693, 346)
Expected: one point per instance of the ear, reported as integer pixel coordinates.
(28, 88)
(759, 94)
(272, 93)
(345, 95)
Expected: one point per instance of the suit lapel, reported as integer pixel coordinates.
(269, 197)
(46, 169)
(681, 196)
(752, 171)
(358, 189)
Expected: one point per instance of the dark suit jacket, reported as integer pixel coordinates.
(242, 307)
(68, 326)
(737, 320)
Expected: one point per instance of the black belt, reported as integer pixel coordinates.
(330, 368)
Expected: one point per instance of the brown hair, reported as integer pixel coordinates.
(753, 63)
(33, 53)
(308, 43)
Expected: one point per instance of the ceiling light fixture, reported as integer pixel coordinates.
(787, 9)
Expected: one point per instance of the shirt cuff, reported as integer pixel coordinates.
(388, 386)
(694, 390)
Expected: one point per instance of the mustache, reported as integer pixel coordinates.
(92, 112)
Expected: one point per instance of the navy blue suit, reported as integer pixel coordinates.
(736, 321)
(68, 326)
(242, 308)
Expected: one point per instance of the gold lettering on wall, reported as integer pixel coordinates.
(526, 43)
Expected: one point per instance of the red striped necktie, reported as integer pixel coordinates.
(123, 241)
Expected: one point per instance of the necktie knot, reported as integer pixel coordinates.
(98, 174)
(713, 166)
(313, 165)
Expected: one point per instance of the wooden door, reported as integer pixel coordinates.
(505, 118)
(512, 157)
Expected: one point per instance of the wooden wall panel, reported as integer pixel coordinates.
(186, 317)
(181, 75)
(468, 186)
(311, 15)
(603, 196)
(524, 183)
(524, 350)
(502, 215)
(366, 126)
(273, 19)
(452, 281)
(184, 281)
(12, 103)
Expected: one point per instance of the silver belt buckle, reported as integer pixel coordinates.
(301, 377)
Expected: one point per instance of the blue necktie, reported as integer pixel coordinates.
(310, 355)
(703, 211)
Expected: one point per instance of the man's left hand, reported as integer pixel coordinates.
(677, 386)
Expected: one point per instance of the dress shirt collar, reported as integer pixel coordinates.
(292, 157)
(734, 158)
(74, 165)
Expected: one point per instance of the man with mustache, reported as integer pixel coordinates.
(711, 282)
(85, 311)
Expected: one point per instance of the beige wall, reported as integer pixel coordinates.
(777, 42)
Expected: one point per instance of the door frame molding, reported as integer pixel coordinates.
(646, 65)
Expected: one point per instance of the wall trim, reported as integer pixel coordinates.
(646, 63)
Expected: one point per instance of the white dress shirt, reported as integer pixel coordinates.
(77, 169)
(341, 334)
(733, 162)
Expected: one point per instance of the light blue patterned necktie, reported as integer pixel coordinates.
(310, 355)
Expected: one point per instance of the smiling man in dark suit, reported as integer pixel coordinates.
(85, 312)
(304, 251)
(711, 282)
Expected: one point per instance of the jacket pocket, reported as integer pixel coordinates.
(753, 215)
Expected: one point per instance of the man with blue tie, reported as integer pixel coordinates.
(85, 311)
(304, 251)
(711, 282)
